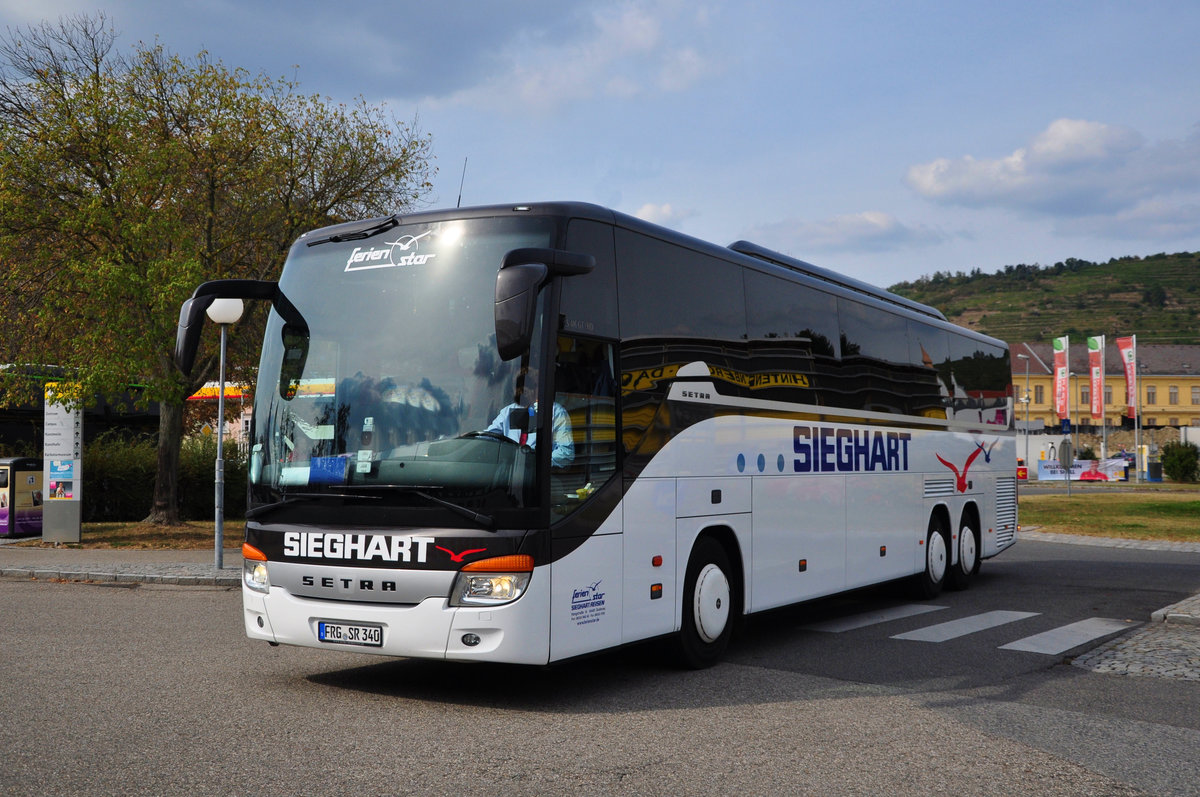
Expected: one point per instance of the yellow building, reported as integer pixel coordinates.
(1168, 384)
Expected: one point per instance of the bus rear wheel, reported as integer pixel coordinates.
(959, 576)
(930, 581)
(708, 604)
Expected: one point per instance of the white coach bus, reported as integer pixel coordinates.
(729, 430)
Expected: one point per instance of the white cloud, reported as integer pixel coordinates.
(1074, 141)
(633, 49)
(1073, 168)
(869, 231)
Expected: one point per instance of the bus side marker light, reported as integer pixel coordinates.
(883, 550)
(803, 565)
(655, 591)
(656, 561)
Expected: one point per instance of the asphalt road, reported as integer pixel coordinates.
(153, 690)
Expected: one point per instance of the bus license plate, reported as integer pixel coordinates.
(350, 634)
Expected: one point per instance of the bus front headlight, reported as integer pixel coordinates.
(254, 569)
(491, 582)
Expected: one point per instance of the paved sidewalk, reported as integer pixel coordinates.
(1166, 647)
(197, 568)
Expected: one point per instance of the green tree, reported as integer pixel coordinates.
(128, 179)
(1181, 461)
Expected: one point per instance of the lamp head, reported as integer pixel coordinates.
(225, 311)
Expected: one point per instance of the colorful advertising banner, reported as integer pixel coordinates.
(1096, 368)
(1128, 349)
(62, 441)
(1062, 387)
(1085, 470)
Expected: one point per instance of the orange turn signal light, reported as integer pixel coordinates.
(250, 552)
(516, 563)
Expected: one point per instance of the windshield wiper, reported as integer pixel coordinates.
(358, 234)
(487, 521)
(300, 498)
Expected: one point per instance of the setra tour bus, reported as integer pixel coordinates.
(528, 433)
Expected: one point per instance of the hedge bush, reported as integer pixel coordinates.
(118, 479)
(1181, 461)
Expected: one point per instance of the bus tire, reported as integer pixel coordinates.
(708, 606)
(930, 581)
(961, 572)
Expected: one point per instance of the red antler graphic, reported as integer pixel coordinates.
(961, 479)
(458, 557)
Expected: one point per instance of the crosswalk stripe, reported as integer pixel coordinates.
(967, 625)
(1062, 639)
(840, 624)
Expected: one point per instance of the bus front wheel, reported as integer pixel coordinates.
(933, 577)
(708, 605)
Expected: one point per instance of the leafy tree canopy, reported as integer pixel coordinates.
(126, 179)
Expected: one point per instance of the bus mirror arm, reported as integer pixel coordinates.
(523, 272)
(191, 314)
(558, 262)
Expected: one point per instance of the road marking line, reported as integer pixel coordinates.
(840, 624)
(1062, 639)
(967, 625)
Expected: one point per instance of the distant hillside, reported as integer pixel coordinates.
(1156, 297)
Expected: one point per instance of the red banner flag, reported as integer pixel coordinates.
(1128, 349)
(1096, 367)
(1062, 387)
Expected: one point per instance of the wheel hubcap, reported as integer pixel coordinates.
(712, 603)
(935, 564)
(966, 550)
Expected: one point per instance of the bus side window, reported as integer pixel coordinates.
(586, 388)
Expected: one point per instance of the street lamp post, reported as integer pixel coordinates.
(222, 312)
(1025, 357)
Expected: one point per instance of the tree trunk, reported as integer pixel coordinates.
(165, 509)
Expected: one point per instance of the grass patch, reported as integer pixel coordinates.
(189, 536)
(1168, 515)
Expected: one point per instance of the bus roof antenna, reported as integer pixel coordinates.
(462, 180)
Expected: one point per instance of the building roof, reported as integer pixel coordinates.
(1157, 359)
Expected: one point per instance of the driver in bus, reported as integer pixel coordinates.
(523, 411)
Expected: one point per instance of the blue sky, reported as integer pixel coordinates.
(885, 140)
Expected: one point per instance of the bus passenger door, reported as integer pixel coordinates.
(586, 595)
(587, 590)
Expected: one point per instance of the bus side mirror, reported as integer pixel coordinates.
(522, 274)
(295, 354)
(191, 314)
(516, 307)
(187, 335)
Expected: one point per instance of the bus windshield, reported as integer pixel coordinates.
(389, 384)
